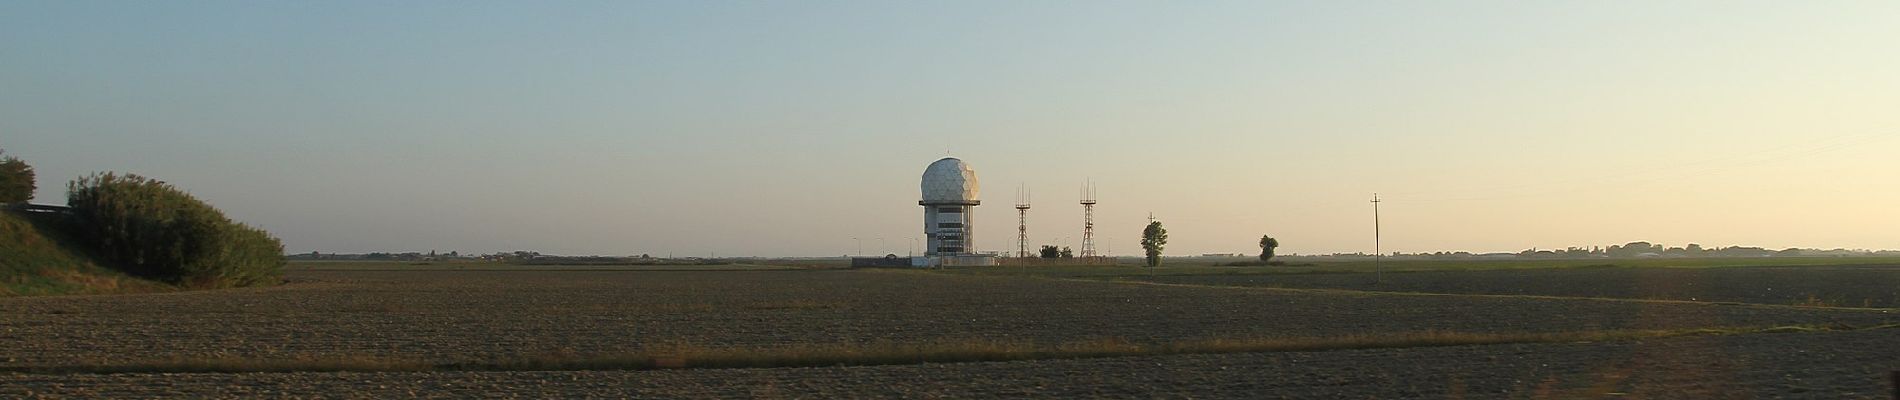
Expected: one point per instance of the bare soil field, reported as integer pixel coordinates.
(1876, 286)
(1833, 365)
(474, 315)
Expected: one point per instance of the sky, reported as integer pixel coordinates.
(781, 128)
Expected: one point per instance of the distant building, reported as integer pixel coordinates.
(949, 199)
(949, 191)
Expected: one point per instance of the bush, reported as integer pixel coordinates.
(152, 229)
(16, 181)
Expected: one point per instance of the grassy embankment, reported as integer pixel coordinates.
(39, 257)
(858, 354)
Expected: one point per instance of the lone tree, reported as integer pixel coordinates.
(1050, 252)
(1267, 243)
(16, 180)
(1066, 253)
(1153, 238)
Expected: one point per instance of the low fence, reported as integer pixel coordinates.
(1039, 261)
(880, 262)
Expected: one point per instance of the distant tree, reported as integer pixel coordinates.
(1267, 243)
(1743, 251)
(1049, 251)
(1633, 249)
(1066, 253)
(1576, 252)
(16, 180)
(1153, 238)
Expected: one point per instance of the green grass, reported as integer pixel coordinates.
(685, 356)
(38, 257)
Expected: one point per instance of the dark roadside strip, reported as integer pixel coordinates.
(553, 268)
(857, 354)
(1124, 281)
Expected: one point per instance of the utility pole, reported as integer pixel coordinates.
(860, 247)
(1378, 274)
(1144, 245)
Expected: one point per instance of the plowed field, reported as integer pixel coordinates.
(475, 315)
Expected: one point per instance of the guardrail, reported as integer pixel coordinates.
(39, 208)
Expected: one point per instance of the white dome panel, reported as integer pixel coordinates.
(949, 181)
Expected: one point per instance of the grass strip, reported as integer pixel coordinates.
(859, 354)
(1359, 292)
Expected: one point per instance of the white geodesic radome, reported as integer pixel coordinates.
(949, 181)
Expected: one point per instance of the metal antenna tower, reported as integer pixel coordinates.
(1088, 220)
(1022, 222)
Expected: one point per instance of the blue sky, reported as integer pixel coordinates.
(789, 128)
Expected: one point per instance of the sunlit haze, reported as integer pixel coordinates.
(791, 128)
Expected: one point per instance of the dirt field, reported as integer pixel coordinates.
(472, 315)
(1846, 365)
(1839, 286)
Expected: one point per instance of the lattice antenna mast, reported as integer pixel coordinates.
(1022, 222)
(1088, 219)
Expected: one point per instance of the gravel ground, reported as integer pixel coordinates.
(1846, 286)
(449, 316)
(1830, 365)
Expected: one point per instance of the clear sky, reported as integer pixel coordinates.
(789, 128)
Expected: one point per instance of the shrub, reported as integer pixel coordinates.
(16, 181)
(1267, 244)
(152, 229)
